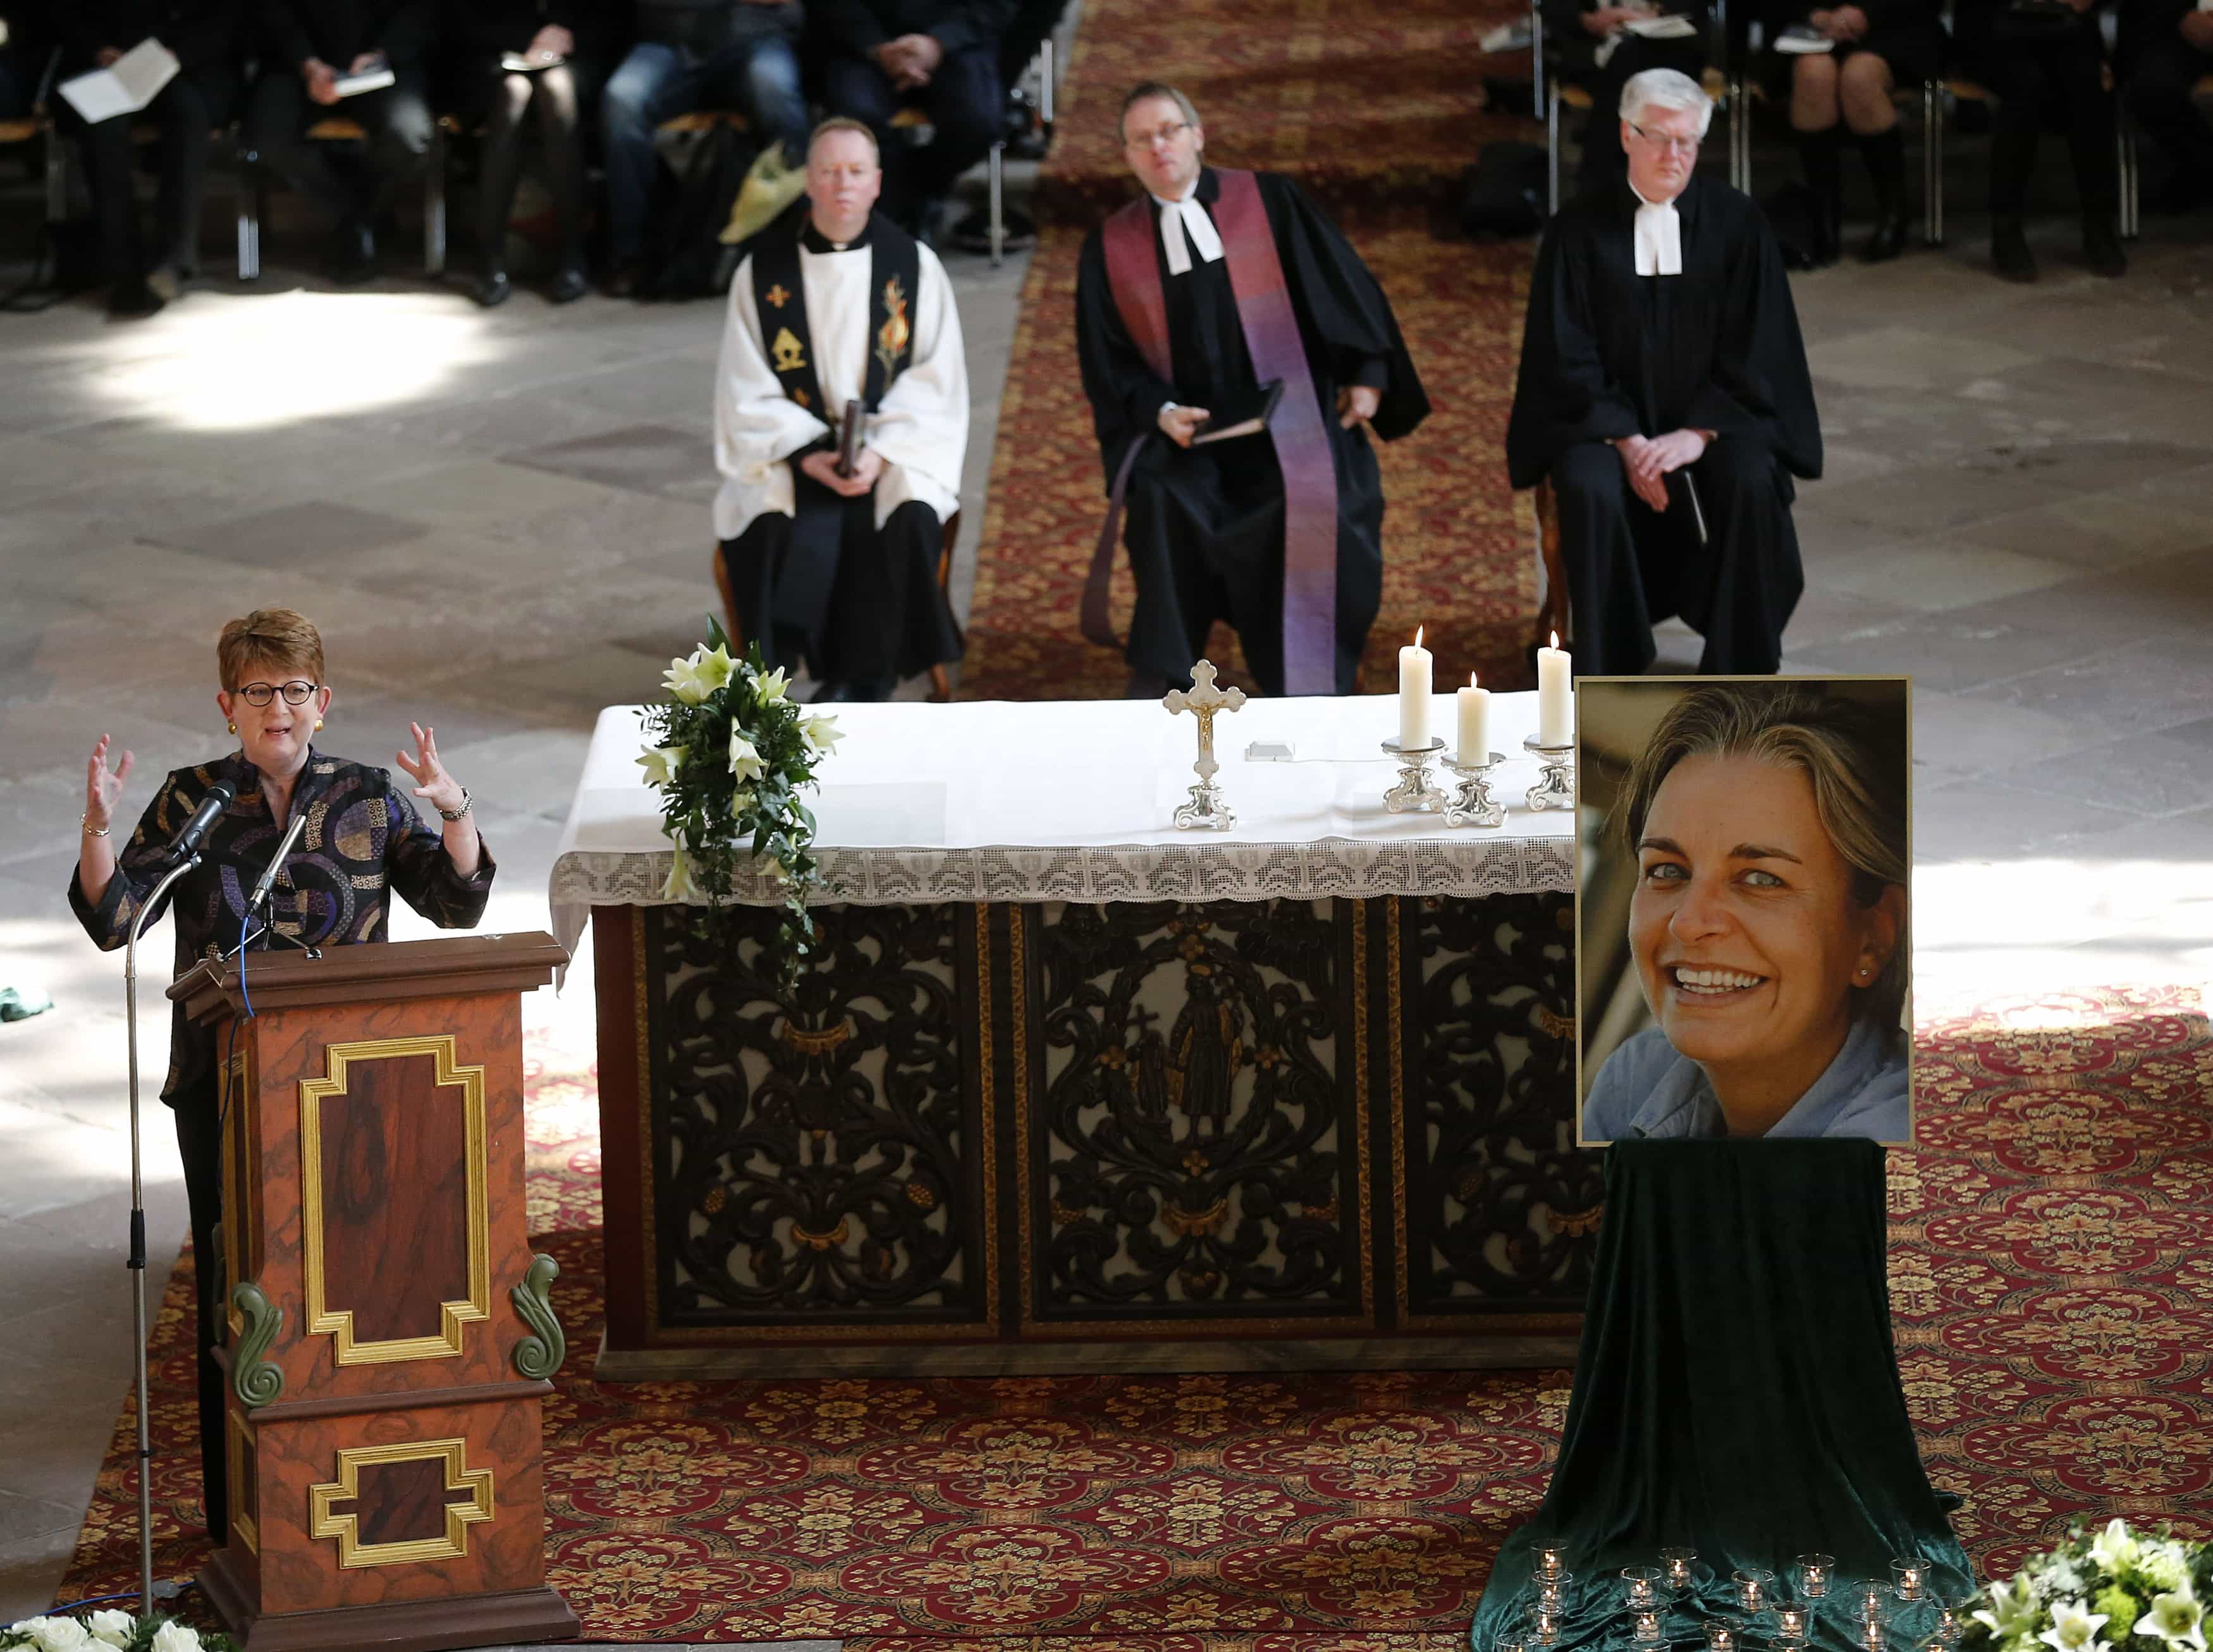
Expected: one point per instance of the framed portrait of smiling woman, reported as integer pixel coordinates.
(1743, 956)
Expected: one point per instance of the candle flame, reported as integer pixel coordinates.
(1556, 639)
(1417, 636)
(1471, 679)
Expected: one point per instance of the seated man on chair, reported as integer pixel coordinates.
(309, 46)
(849, 318)
(1664, 392)
(1599, 46)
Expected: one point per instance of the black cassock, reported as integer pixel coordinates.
(1607, 353)
(1205, 526)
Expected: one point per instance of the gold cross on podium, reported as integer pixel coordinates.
(1207, 809)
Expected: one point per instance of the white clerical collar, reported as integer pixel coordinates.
(1198, 230)
(1659, 236)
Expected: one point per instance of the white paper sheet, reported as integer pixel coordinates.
(128, 85)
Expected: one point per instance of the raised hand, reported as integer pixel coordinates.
(432, 783)
(103, 790)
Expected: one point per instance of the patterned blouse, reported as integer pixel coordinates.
(362, 839)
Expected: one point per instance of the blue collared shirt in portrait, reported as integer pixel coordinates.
(1646, 1091)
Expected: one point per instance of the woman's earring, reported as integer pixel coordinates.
(232, 727)
(319, 725)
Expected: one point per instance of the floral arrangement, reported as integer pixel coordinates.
(104, 1630)
(730, 752)
(2119, 1591)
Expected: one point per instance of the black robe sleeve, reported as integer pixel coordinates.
(1126, 393)
(1342, 311)
(1759, 383)
(1563, 393)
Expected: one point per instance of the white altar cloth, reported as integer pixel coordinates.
(1027, 801)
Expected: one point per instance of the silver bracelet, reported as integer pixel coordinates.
(456, 814)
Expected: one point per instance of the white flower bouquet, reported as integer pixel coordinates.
(102, 1630)
(2115, 1591)
(730, 753)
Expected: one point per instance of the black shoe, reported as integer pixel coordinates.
(1888, 240)
(2101, 251)
(1827, 239)
(2009, 251)
(353, 254)
(570, 284)
(494, 289)
(131, 299)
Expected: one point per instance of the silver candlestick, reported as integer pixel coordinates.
(1474, 806)
(1556, 786)
(1208, 809)
(1415, 790)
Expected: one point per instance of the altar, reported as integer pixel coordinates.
(1066, 1088)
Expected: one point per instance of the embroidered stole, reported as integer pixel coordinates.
(1300, 429)
(802, 596)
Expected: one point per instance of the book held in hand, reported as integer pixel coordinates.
(1241, 416)
(529, 63)
(848, 439)
(124, 87)
(374, 78)
(1800, 42)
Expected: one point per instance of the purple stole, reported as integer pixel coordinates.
(1300, 429)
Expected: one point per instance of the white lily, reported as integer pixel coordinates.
(2113, 1548)
(661, 763)
(679, 886)
(774, 684)
(705, 670)
(2177, 1617)
(2012, 1610)
(821, 731)
(745, 759)
(2075, 1628)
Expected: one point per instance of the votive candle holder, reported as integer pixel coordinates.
(1909, 1579)
(1552, 1562)
(1642, 1586)
(1720, 1638)
(1814, 1572)
(1647, 1628)
(1676, 1563)
(1791, 1625)
(1754, 1588)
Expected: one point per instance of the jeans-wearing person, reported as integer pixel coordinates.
(743, 57)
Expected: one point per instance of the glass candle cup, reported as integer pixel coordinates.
(1791, 1625)
(1511, 1640)
(1552, 1562)
(1647, 1628)
(1868, 1602)
(1946, 1631)
(1754, 1588)
(1642, 1586)
(1720, 1638)
(1814, 1572)
(1552, 1592)
(1675, 1564)
(1544, 1623)
(1909, 1579)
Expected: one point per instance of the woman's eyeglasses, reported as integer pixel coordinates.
(295, 692)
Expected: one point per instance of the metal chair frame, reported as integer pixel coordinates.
(253, 187)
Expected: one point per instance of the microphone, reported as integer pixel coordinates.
(186, 843)
(276, 860)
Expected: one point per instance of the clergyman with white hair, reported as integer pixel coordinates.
(1664, 392)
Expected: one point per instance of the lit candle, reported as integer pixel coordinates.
(1678, 1561)
(1550, 1561)
(1474, 705)
(1414, 693)
(1720, 1638)
(1909, 1579)
(1790, 1623)
(1555, 701)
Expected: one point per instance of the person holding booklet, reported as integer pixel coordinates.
(534, 61)
(1664, 392)
(1601, 44)
(841, 420)
(362, 59)
(201, 94)
(1237, 353)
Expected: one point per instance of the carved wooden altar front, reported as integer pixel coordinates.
(1049, 1135)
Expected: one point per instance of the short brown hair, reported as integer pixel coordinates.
(1146, 89)
(842, 124)
(1852, 754)
(275, 637)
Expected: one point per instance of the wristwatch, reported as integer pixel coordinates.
(456, 814)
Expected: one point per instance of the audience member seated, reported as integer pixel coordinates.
(15, 79)
(2041, 59)
(2167, 48)
(943, 54)
(1596, 48)
(845, 317)
(204, 34)
(540, 60)
(700, 54)
(1665, 394)
(309, 47)
(1871, 49)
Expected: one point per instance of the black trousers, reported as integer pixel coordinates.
(887, 617)
(199, 1145)
(1628, 565)
(2038, 79)
(551, 100)
(2159, 96)
(397, 119)
(187, 110)
(965, 99)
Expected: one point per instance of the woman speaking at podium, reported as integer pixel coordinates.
(362, 840)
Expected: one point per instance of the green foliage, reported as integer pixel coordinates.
(731, 753)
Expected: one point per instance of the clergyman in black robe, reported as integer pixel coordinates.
(1206, 527)
(1670, 409)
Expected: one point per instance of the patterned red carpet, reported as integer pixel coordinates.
(1376, 109)
(2050, 1274)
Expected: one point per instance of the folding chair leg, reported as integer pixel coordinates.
(57, 177)
(999, 202)
(1552, 152)
(1932, 122)
(1044, 82)
(2129, 157)
(434, 206)
(1739, 140)
(249, 231)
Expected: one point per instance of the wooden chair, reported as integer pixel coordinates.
(941, 681)
(1554, 615)
(338, 129)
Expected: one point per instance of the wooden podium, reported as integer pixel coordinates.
(389, 1336)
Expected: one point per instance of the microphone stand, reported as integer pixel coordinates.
(137, 1264)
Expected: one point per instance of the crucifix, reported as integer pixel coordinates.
(1208, 809)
